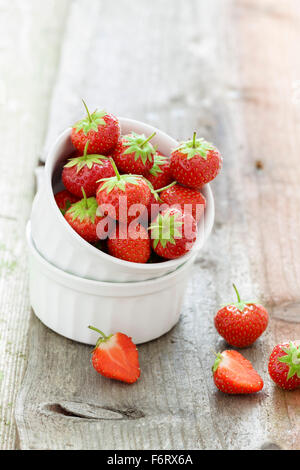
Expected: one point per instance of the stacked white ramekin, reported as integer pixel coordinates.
(74, 285)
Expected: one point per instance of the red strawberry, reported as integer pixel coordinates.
(160, 174)
(64, 200)
(190, 200)
(118, 194)
(195, 163)
(241, 323)
(173, 233)
(116, 357)
(284, 365)
(85, 172)
(155, 205)
(83, 218)
(234, 374)
(100, 128)
(134, 154)
(130, 243)
(151, 210)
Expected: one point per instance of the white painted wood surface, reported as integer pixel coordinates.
(221, 67)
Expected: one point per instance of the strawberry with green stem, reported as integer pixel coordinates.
(195, 163)
(116, 357)
(83, 218)
(234, 374)
(100, 128)
(160, 174)
(241, 323)
(64, 199)
(284, 365)
(190, 200)
(85, 172)
(118, 194)
(155, 204)
(173, 233)
(134, 154)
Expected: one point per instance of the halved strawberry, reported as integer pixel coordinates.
(234, 374)
(100, 128)
(134, 154)
(85, 172)
(116, 357)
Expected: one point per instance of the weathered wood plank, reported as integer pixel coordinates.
(29, 42)
(271, 125)
(220, 67)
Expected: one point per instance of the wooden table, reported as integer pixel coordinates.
(231, 70)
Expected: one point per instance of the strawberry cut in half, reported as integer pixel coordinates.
(284, 365)
(83, 218)
(160, 174)
(189, 200)
(173, 233)
(116, 357)
(64, 199)
(234, 374)
(120, 195)
(100, 128)
(241, 323)
(195, 163)
(130, 243)
(85, 172)
(134, 154)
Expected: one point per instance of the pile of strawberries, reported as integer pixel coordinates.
(123, 191)
(240, 324)
(124, 196)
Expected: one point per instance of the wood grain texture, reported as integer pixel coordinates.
(221, 67)
(29, 39)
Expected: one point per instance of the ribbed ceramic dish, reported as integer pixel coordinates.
(59, 244)
(68, 304)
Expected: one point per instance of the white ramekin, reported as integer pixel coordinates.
(69, 304)
(58, 243)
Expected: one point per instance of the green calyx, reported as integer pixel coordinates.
(91, 122)
(217, 362)
(85, 160)
(159, 160)
(118, 181)
(165, 229)
(195, 147)
(84, 209)
(240, 304)
(292, 359)
(103, 338)
(140, 145)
